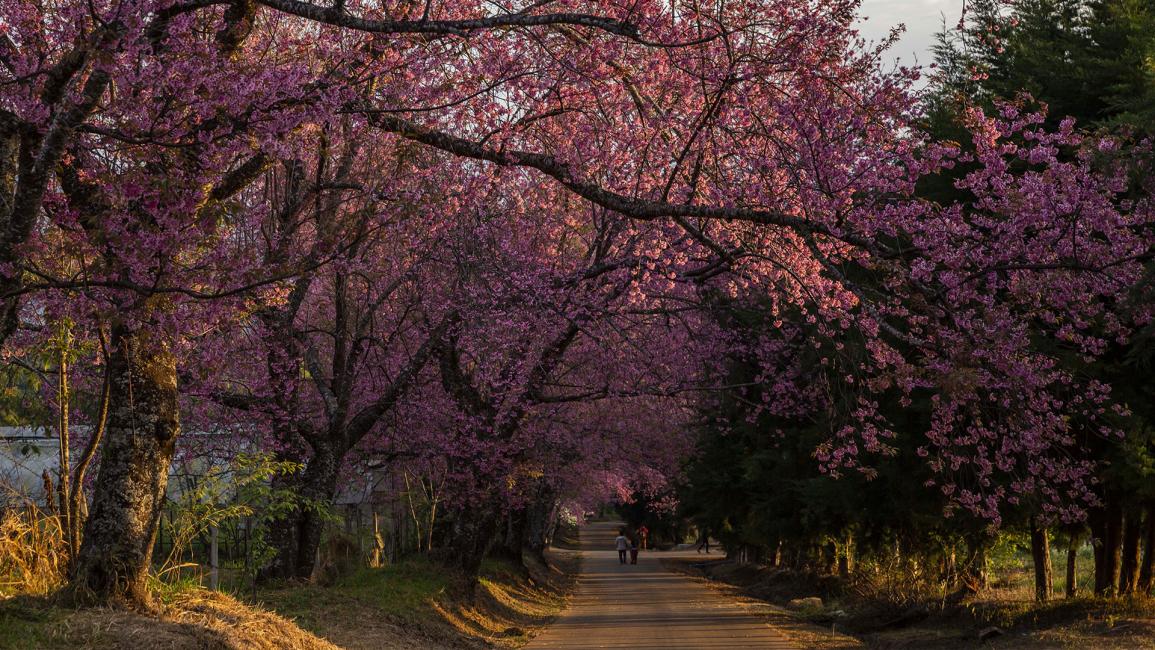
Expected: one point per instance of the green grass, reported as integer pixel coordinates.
(398, 589)
(404, 590)
(25, 624)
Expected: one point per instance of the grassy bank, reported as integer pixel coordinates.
(415, 604)
(188, 619)
(824, 613)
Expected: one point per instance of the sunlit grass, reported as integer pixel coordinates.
(422, 597)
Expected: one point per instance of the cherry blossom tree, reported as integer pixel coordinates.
(760, 148)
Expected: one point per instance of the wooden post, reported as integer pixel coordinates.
(378, 544)
(1072, 560)
(360, 535)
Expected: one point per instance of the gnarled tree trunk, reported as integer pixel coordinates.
(143, 423)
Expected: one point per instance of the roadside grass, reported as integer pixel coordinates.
(1081, 622)
(188, 618)
(401, 591)
(417, 603)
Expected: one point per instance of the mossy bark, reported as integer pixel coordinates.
(143, 423)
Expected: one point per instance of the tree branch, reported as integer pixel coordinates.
(641, 209)
(336, 17)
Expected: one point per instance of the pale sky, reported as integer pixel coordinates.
(923, 19)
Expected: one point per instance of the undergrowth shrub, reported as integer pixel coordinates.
(33, 554)
(896, 585)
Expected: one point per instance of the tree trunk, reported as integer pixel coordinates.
(976, 577)
(1072, 562)
(297, 536)
(828, 555)
(1041, 554)
(1148, 564)
(281, 534)
(472, 535)
(1129, 565)
(1097, 520)
(1108, 531)
(846, 557)
(79, 505)
(512, 539)
(64, 483)
(10, 236)
(143, 423)
(540, 517)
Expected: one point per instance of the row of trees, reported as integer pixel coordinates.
(1087, 60)
(510, 245)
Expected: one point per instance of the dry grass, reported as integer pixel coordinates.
(32, 552)
(33, 561)
(193, 619)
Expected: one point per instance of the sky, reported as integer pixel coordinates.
(923, 19)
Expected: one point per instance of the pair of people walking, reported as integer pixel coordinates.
(626, 545)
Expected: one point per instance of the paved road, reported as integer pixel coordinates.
(645, 607)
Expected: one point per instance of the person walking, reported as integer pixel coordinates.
(622, 544)
(634, 550)
(705, 542)
(644, 533)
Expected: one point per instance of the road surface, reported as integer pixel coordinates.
(645, 607)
